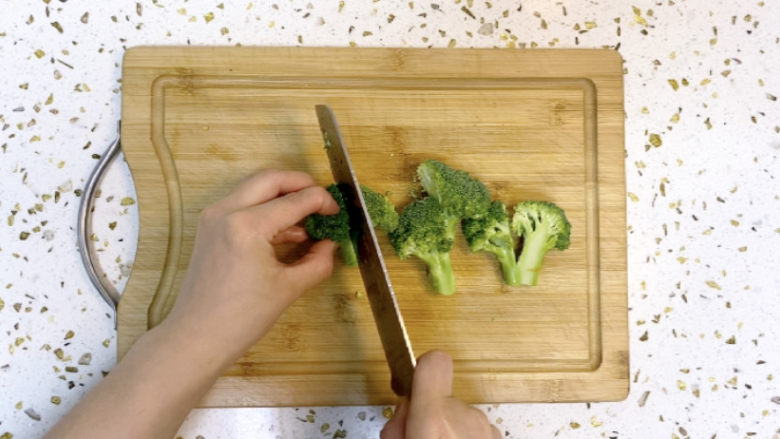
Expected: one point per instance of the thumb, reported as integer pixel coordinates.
(313, 268)
(432, 377)
(286, 211)
(395, 428)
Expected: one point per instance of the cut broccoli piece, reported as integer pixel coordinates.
(381, 210)
(491, 233)
(342, 228)
(461, 195)
(422, 232)
(543, 226)
(335, 227)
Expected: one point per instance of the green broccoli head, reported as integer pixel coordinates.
(491, 233)
(422, 232)
(543, 227)
(335, 227)
(490, 230)
(460, 194)
(421, 229)
(543, 217)
(381, 210)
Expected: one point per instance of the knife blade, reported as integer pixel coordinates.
(384, 306)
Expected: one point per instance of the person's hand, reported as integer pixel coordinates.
(235, 288)
(432, 412)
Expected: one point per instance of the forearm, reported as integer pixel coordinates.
(150, 392)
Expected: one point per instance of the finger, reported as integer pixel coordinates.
(294, 234)
(265, 185)
(284, 212)
(402, 404)
(477, 421)
(313, 268)
(395, 428)
(432, 377)
(495, 432)
(392, 430)
(401, 409)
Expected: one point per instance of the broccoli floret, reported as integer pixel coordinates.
(381, 210)
(342, 228)
(491, 233)
(335, 227)
(543, 226)
(422, 232)
(461, 195)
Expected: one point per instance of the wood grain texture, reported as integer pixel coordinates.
(536, 124)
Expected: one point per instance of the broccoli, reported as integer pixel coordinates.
(461, 195)
(543, 226)
(491, 233)
(422, 232)
(336, 227)
(341, 227)
(381, 210)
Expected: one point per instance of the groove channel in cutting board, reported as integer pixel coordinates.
(196, 121)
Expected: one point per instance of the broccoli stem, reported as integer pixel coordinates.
(530, 261)
(450, 223)
(348, 253)
(509, 266)
(440, 272)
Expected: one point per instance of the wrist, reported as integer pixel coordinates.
(219, 333)
(190, 345)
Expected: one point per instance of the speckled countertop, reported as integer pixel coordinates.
(702, 140)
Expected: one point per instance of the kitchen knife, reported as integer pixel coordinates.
(379, 290)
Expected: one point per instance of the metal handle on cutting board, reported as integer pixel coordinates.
(106, 290)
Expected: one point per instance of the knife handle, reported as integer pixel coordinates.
(402, 386)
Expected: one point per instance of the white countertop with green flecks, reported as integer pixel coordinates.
(702, 143)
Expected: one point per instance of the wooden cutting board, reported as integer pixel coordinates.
(531, 124)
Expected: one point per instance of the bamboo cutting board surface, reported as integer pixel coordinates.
(531, 124)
